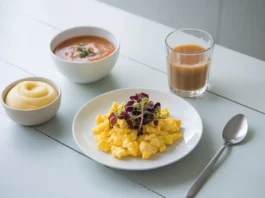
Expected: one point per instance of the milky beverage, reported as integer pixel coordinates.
(188, 67)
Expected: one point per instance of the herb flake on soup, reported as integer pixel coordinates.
(84, 49)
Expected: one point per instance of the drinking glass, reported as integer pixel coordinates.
(189, 55)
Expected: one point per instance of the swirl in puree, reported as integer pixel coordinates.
(29, 95)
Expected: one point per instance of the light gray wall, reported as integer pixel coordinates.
(242, 26)
(236, 24)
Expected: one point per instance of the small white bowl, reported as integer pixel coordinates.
(90, 71)
(35, 116)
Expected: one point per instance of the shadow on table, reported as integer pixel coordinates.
(55, 121)
(106, 84)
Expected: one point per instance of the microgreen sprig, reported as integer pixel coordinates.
(137, 112)
(84, 52)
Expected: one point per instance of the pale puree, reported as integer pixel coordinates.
(28, 95)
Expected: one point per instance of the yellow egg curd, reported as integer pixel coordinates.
(121, 141)
(28, 95)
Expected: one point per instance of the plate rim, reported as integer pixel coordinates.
(134, 169)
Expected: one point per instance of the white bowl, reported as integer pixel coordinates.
(35, 116)
(90, 71)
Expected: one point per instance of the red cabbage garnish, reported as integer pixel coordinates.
(112, 119)
(138, 112)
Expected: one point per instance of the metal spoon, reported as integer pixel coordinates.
(233, 133)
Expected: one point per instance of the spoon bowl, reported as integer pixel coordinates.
(236, 129)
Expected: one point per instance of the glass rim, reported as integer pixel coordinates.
(196, 29)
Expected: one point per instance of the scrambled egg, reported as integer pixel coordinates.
(121, 141)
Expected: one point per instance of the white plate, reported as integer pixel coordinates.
(85, 120)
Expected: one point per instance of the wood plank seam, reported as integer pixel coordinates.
(16, 66)
(79, 152)
(211, 92)
(150, 67)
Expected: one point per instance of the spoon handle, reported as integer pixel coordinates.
(204, 174)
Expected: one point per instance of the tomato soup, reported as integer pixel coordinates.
(84, 49)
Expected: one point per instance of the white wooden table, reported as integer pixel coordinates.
(44, 161)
